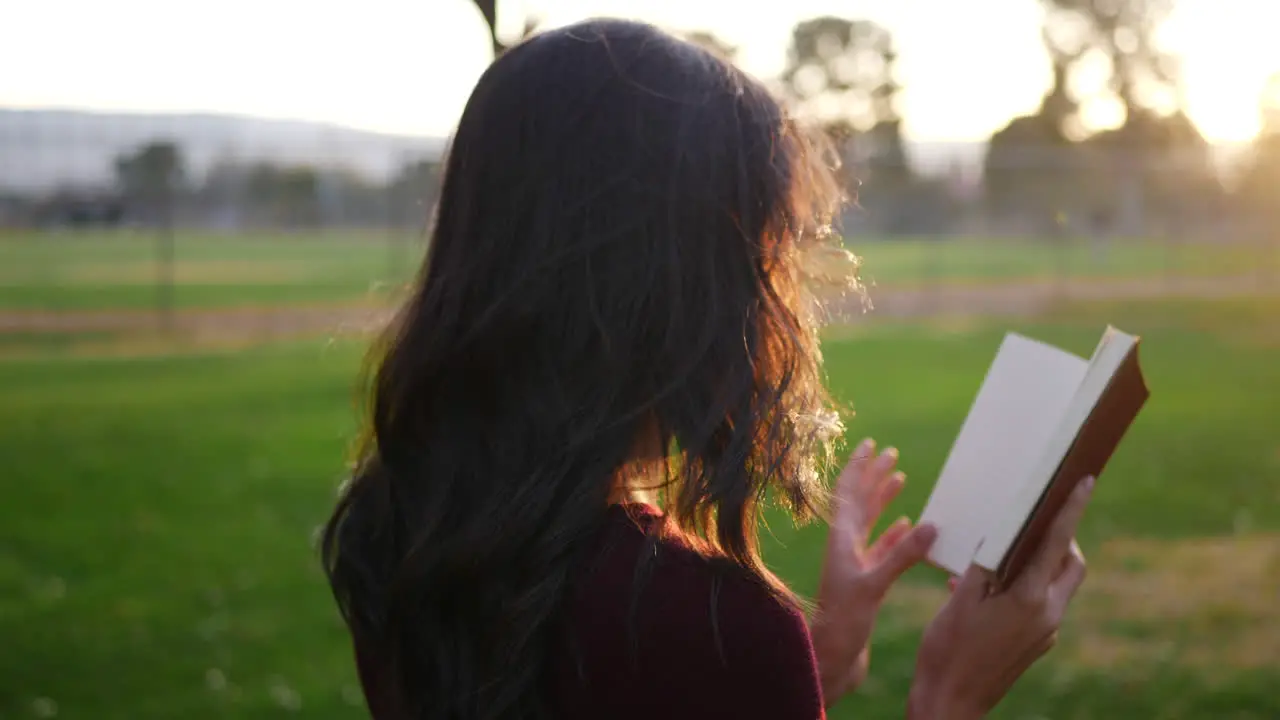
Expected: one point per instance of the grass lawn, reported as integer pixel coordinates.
(908, 262)
(156, 535)
(107, 271)
(119, 271)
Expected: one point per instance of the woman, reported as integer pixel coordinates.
(613, 316)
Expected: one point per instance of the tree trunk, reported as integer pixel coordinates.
(489, 9)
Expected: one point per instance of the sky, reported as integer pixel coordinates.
(407, 66)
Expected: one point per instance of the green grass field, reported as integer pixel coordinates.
(120, 271)
(111, 271)
(156, 555)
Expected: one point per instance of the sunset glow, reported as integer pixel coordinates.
(406, 66)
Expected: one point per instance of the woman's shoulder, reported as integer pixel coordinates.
(651, 615)
(636, 562)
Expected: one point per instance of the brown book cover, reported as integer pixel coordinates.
(1093, 446)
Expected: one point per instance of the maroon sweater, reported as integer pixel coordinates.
(703, 640)
(708, 642)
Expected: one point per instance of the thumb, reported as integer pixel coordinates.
(908, 551)
(972, 585)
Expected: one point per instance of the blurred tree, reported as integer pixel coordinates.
(1031, 175)
(298, 194)
(1156, 172)
(262, 181)
(841, 75)
(712, 43)
(64, 207)
(1152, 172)
(1270, 106)
(1141, 75)
(489, 9)
(1030, 171)
(150, 178)
(1059, 107)
(1259, 186)
(412, 192)
(285, 196)
(236, 194)
(347, 198)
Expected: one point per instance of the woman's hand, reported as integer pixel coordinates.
(980, 643)
(856, 576)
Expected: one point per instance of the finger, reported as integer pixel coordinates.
(845, 535)
(972, 586)
(1057, 543)
(852, 472)
(889, 491)
(874, 473)
(872, 509)
(888, 540)
(1075, 551)
(952, 582)
(908, 551)
(877, 479)
(882, 469)
(860, 486)
(1064, 586)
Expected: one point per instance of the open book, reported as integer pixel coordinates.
(1042, 421)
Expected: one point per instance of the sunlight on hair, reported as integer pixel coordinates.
(823, 425)
(817, 435)
(830, 266)
(831, 275)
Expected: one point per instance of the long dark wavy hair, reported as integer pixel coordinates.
(618, 261)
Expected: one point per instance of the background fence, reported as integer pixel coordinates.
(316, 213)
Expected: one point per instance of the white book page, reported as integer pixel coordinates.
(1013, 514)
(1019, 406)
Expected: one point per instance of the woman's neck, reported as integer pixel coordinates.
(632, 493)
(638, 477)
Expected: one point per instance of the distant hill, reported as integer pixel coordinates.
(41, 149)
